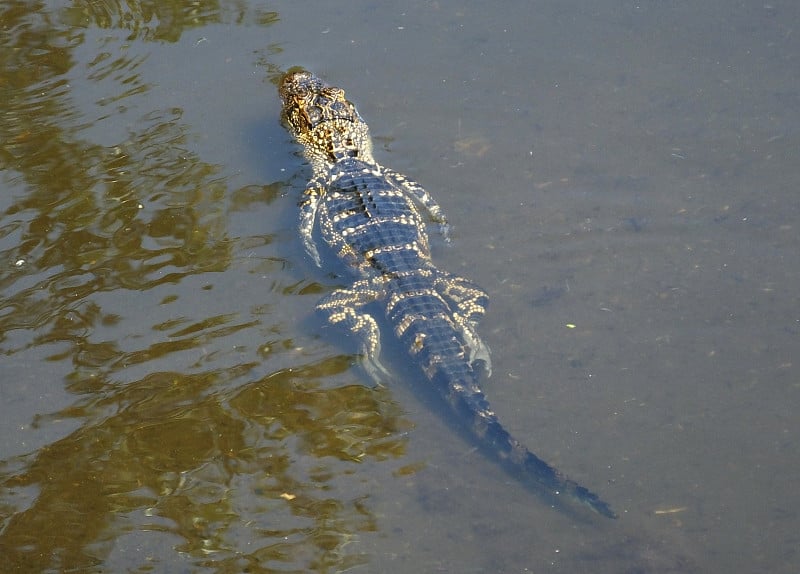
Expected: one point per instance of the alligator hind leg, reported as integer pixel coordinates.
(470, 300)
(470, 303)
(343, 307)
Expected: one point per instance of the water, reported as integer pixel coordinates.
(620, 178)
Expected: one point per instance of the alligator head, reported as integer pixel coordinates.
(322, 120)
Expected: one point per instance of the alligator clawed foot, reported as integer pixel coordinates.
(375, 370)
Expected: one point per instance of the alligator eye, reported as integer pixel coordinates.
(314, 114)
(298, 91)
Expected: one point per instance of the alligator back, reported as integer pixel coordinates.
(370, 222)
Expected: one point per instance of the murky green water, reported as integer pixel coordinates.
(156, 393)
(622, 180)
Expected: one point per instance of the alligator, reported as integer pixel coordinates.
(370, 217)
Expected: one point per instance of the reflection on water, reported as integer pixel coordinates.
(179, 457)
(111, 254)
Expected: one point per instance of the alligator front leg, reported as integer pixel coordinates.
(308, 215)
(344, 307)
(423, 197)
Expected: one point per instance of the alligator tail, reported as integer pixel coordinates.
(472, 407)
(446, 351)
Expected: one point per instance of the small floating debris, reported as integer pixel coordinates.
(674, 510)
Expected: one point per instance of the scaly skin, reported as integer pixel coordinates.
(369, 215)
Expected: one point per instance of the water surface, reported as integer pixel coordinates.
(621, 178)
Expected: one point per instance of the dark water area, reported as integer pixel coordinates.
(621, 177)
